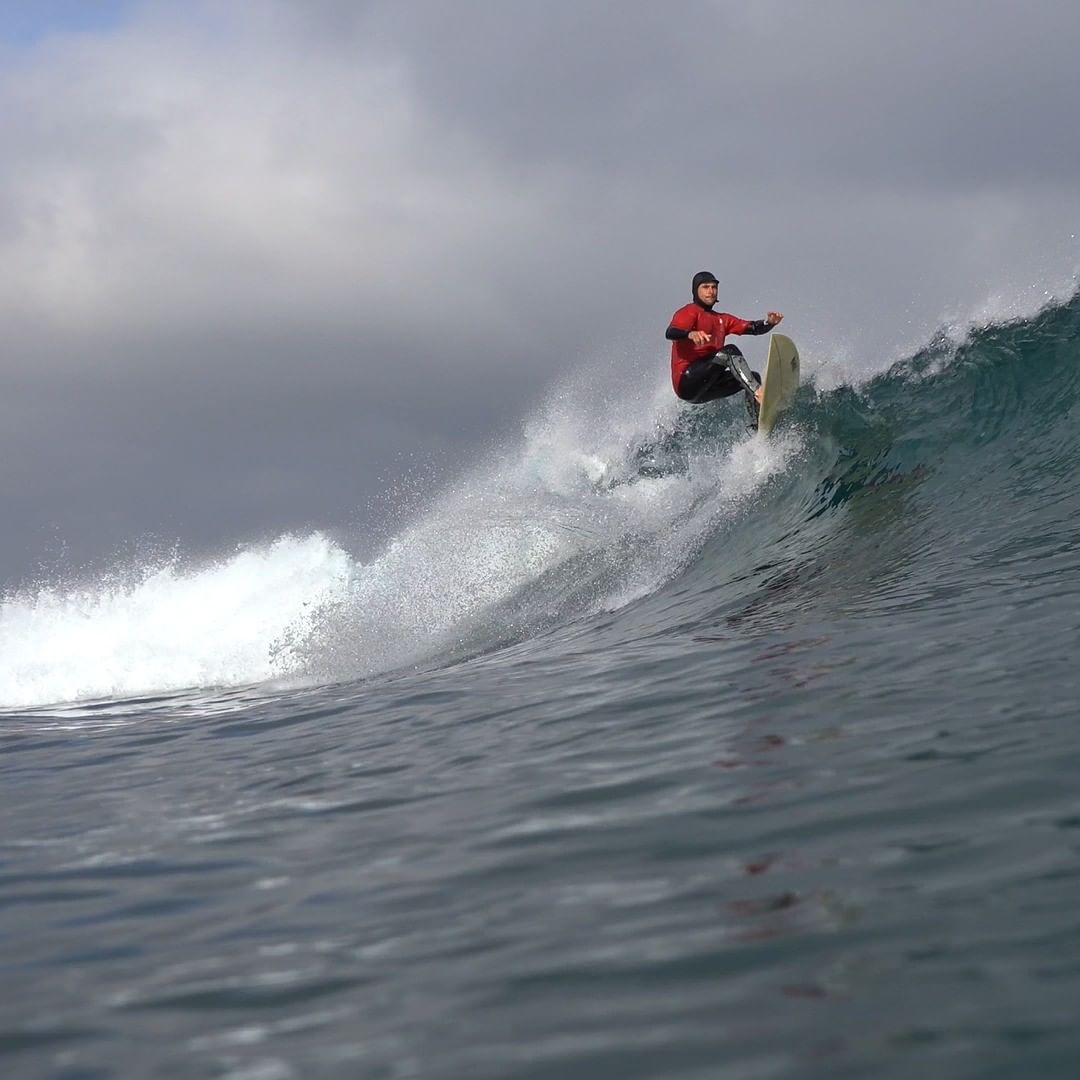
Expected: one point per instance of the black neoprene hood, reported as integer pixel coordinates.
(702, 277)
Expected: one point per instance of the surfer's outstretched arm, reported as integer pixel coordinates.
(760, 326)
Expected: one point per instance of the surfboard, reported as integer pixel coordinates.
(780, 381)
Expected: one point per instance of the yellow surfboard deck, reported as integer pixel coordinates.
(780, 381)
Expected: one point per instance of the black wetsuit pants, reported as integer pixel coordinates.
(707, 380)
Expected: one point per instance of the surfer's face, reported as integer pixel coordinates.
(707, 293)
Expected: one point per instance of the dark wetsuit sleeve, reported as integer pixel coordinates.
(676, 333)
(758, 326)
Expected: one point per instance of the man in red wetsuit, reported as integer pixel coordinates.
(703, 368)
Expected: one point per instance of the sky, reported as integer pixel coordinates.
(27, 22)
(272, 265)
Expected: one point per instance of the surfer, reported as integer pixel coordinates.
(703, 368)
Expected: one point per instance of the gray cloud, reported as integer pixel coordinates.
(844, 89)
(261, 264)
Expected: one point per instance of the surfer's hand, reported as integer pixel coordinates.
(774, 317)
(757, 394)
(699, 337)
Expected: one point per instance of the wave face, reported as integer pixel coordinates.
(914, 475)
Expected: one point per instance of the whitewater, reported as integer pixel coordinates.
(648, 748)
(635, 503)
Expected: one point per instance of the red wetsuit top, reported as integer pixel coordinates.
(717, 324)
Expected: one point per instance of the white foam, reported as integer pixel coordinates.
(158, 629)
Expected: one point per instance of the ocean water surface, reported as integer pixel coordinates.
(650, 750)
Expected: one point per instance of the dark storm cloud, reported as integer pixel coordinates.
(261, 262)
